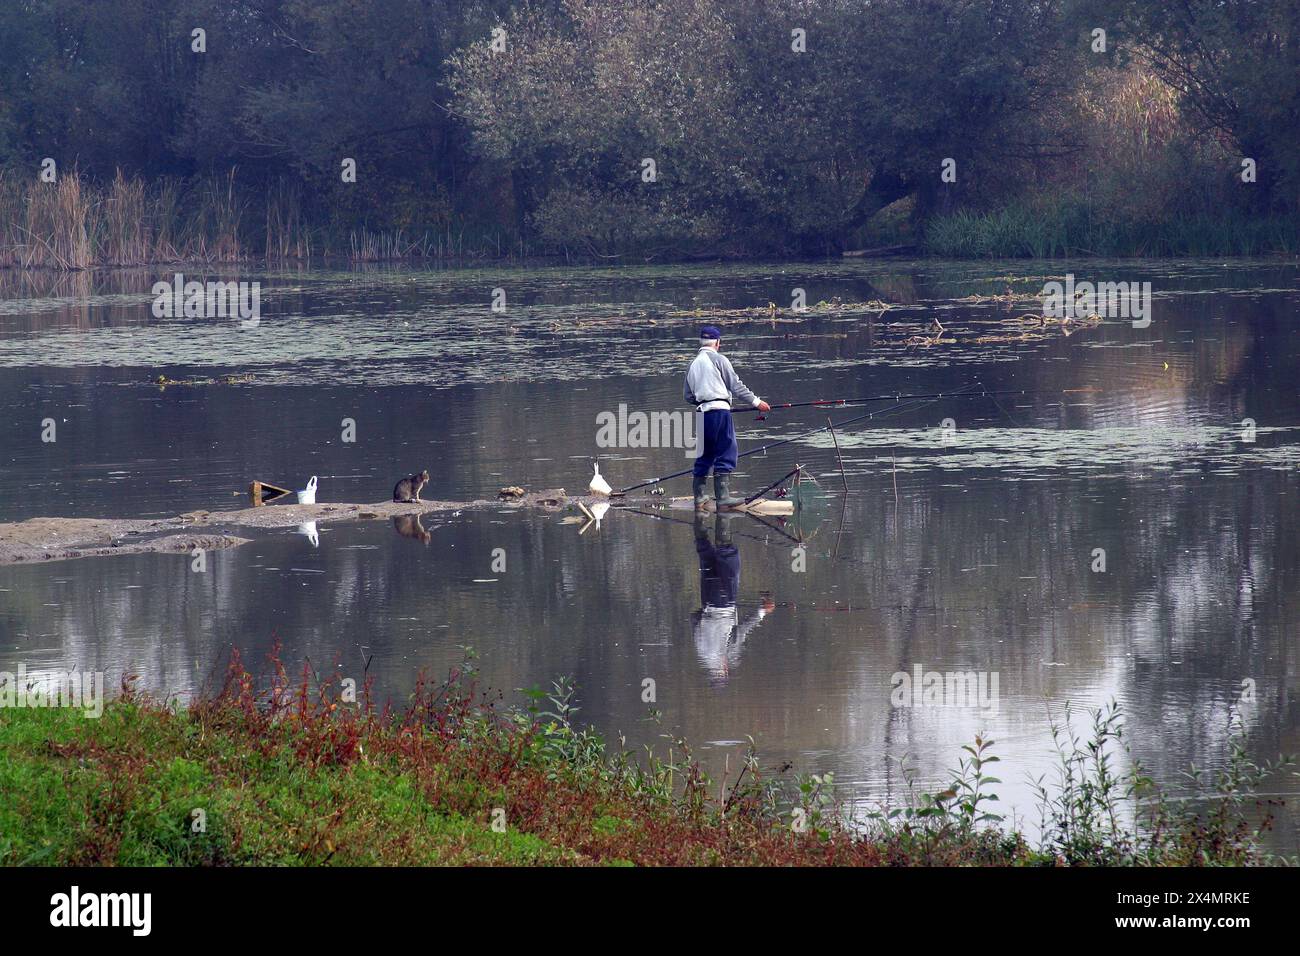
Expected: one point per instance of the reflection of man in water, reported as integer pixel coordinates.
(718, 631)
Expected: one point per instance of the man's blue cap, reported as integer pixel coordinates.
(711, 332)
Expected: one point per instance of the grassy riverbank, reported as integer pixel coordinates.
(1064, 228)
(295, 774)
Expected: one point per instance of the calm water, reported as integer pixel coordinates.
(955, 550)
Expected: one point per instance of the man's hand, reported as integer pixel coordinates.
(764, 407)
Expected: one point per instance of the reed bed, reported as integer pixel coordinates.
(287, 236)
(393, 246)
(75, 224)
(387, 246)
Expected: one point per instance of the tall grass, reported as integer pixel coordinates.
(47, 224)
(218, 213)
(287, 236)
(368, 246)
(75, 223)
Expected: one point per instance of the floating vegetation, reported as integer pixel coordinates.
(927, 340)
(1008, 296)
(1014, 278)
(162, 381)
(772, 311)
(1086, 321)
(1029, 327)
(1035, 327)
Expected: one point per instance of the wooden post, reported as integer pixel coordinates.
(838, 458)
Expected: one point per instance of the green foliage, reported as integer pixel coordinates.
(1081, 814)
(290, 776)
(284, 92)
(1219, 823)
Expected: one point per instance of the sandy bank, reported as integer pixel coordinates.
(52, 539)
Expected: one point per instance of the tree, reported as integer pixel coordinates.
(754, 141)
(1236, 64)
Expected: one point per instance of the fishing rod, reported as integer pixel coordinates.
(960, 393)
(755, 451)
(882, 398)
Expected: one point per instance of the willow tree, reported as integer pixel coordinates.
(778, 125)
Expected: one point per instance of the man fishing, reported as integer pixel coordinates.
(711, 384)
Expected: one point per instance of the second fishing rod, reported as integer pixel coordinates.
(776, 444)
(899, 397)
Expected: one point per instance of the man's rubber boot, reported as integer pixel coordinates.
(701, 495)
(721, 495)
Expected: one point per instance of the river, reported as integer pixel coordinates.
(1123, 527)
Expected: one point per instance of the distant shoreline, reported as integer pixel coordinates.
(629, 261)
(76, 224)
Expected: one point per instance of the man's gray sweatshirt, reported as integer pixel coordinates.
(711, 382)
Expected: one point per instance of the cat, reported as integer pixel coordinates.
(408, 489)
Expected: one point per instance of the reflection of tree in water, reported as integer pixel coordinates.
(1197, 595)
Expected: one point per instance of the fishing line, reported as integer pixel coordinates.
(907, 402)
(917, 403)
